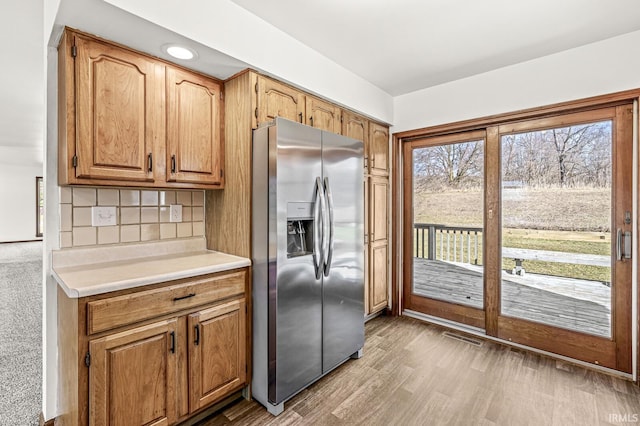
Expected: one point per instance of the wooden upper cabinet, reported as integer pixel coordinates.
(378, 149)
(133, 376)
(217, 352)
(275, 99)
(194, 147)
(117, 94)
(128, 119)
(323, 115)
(357, 127)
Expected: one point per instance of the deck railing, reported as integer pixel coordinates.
(451, 243)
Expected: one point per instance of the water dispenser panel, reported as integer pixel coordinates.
(299, 229)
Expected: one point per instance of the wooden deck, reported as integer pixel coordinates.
(584, 307)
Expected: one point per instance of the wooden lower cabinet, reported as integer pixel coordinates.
(378, 277)
(160, 370)
(377, 238)
(133, 375)
(217, 352)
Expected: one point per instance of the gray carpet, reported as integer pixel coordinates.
(21, 333)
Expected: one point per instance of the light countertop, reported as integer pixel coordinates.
(80, 273)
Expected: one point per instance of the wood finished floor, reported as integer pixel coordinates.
(411, 374)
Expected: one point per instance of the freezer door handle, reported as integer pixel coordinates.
(318, 234)
(328, 250)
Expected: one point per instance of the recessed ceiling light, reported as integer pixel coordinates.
(180, 52)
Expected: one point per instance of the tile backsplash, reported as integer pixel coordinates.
(141, 215)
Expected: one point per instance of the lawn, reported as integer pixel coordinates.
(566, 220)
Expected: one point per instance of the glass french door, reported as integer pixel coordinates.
(445, 186)
(524, 231)
(565, 235)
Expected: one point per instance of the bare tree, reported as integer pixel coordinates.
(451, 165)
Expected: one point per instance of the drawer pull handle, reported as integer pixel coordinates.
(197, 339)
(175, 299)
(173, 342)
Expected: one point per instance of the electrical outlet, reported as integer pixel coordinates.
(175, 213)
(103, 216)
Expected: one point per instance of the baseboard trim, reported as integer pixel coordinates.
(48, 422)
(21, 241)
(375, 314)
(211, 410)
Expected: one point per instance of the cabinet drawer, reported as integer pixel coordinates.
(113, 312)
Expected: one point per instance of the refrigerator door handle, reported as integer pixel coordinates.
(329, 247)
(318, 235)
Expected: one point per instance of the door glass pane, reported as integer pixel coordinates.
(448, 183)
(556, 227)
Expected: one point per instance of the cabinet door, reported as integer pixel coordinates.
(117, 113)
(278, 100)
(217, 352)
(379, 149)
(357, 127)
(378, 280)
(379, 210)
(132, 377)
(323, 115)
(366, 245)
(194, 148)
(378, 243)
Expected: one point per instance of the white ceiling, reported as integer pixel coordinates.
(406, 45)
(399, 46)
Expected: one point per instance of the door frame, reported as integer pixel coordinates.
(491, 123)
(468, 315)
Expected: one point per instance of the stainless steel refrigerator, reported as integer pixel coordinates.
(308, 259)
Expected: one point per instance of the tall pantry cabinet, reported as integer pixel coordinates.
(252, 99)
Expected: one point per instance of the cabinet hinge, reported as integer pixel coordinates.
(256, 112)
(87, 359)
(74, 161)
(74, 51)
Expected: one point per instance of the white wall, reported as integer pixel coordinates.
(18, 170)
(600, 68)
(232, 30)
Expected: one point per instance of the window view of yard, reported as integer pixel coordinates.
(556, 216)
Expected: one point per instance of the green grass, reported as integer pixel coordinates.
(554, 219)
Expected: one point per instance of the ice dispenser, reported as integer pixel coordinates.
(299, 229)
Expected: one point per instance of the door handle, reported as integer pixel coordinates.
(623, 249)
(330, 226)
(318, 239)
(627, 245)
(196, 341)
(172, 335)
